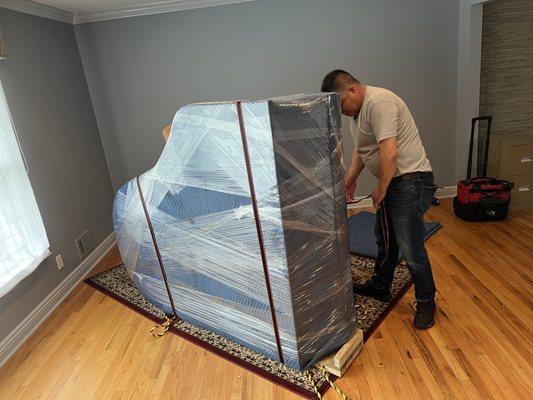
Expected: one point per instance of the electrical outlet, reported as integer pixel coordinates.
(59, 262)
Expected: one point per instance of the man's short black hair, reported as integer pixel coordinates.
(336, 80)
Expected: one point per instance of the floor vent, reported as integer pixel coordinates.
(84, 244)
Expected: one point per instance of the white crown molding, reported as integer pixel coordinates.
(39, 10)
(153, 8)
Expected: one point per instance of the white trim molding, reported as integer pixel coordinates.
(468, 77)
(39, 10)
(28, 325)
(446, 192)
(152, 8)
(442, 193)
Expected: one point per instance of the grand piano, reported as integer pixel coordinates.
(240, 227)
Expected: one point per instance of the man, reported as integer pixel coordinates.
(388, 144)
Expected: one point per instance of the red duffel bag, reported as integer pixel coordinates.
(482, 199)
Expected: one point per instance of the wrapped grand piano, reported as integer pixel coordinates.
(240, 228)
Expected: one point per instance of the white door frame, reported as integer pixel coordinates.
(468, 77)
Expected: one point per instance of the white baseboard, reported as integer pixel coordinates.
(28, 325)
(443, 193)
(446, 192)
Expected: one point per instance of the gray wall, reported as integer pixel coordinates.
(507, 65)
(50, 104)
(141, 70)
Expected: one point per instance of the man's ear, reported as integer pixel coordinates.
(353, 89)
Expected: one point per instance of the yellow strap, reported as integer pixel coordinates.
(339, 391)
(165, 326)
(309, 376)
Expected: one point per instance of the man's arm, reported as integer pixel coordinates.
(388, 155)
(356, 166)
(384, 121)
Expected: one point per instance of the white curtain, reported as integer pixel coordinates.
(23, 241)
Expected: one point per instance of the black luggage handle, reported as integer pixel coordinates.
(470, 150)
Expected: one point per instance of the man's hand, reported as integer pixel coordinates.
(356, 166)
(377, 197)
(166, 132)
(350, 189)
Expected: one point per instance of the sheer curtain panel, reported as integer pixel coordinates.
(23, 241)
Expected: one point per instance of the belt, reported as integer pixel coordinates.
(411, 175)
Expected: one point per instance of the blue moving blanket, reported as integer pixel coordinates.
(363, 238)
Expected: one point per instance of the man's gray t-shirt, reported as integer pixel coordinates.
(384, 115)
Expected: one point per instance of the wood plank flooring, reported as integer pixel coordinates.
(92, 347)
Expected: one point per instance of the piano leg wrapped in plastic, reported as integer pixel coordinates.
(240, 228)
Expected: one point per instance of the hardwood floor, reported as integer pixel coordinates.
(92, 347)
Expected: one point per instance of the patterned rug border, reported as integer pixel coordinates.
(236, 360)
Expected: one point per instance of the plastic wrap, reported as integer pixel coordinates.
(243, 228)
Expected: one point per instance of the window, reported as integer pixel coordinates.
(23, 241)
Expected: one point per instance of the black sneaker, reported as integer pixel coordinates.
(425, 314)
(368, 289)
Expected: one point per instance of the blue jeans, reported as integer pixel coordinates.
(400, 226)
